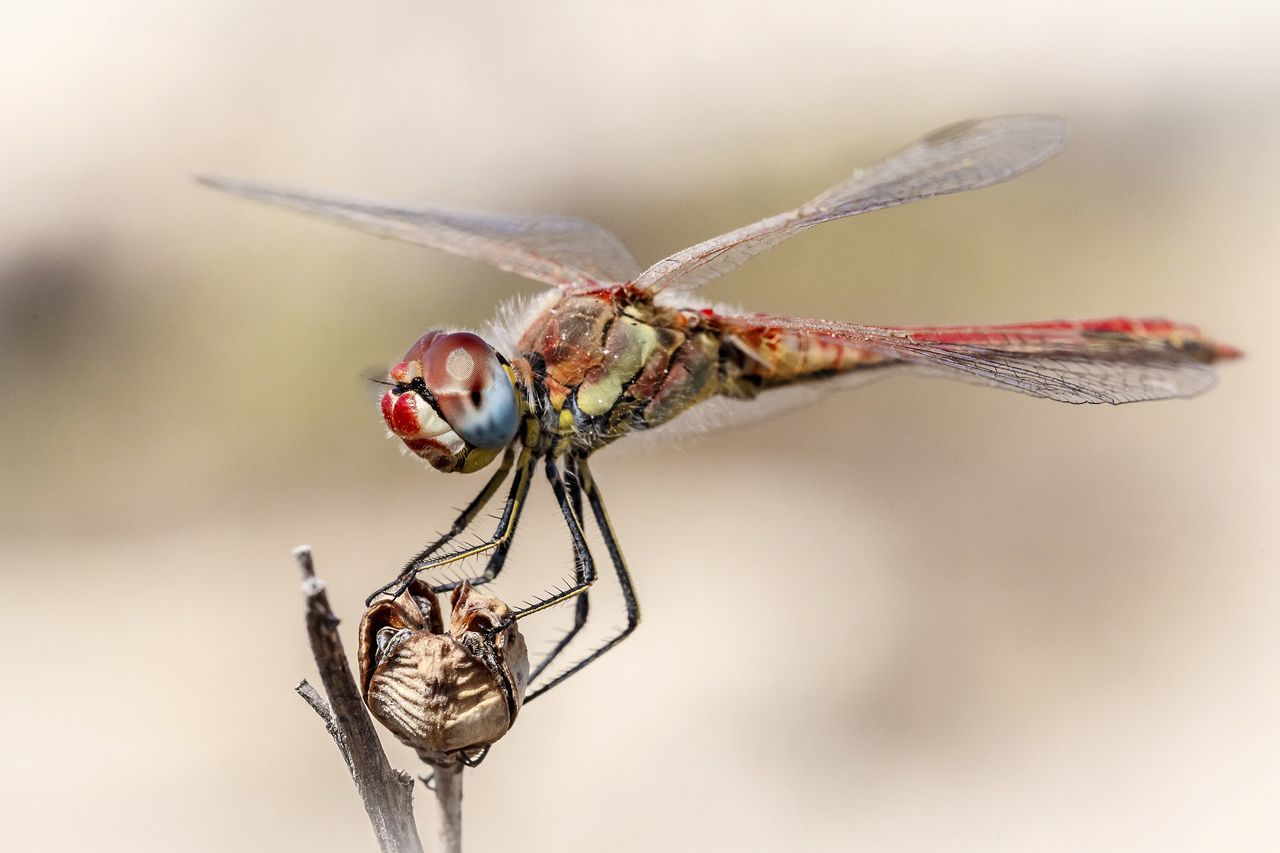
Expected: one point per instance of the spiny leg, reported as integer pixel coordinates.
(468, 515)
(506, 527)
(584, 567)
(582, 605)
(498, 559)
(624, 581)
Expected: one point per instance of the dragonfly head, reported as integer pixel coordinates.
(453, 401)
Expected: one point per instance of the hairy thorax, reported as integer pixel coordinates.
(616, 362)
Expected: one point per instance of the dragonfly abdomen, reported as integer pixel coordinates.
(756, 356)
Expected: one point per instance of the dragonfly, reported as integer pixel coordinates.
(611, 349)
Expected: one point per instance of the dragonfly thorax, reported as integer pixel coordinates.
(453, 401)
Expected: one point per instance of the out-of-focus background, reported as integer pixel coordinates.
(919, 616)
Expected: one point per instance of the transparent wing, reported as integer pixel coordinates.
(1116, 360)
(727, 413)
(963, 156)
(557, 250)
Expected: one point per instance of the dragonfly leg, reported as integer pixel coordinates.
(582, 606)
(469, 513)
(502, 535)
(624, 581)
(429, 779)
(474, 761)
(584, 567)
(498, 559)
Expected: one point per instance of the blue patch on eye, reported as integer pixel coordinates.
(496, 422)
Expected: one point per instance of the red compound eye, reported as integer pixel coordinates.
(474, 393)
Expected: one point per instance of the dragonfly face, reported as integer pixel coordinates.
(616, 348)
(453, 402)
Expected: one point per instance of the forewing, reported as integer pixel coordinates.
(1072, 362)
(558, 250)
(963, 156)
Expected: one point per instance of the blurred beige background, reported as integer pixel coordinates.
(973, 621)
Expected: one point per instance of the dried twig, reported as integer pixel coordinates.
(448, 785)
(387, 792)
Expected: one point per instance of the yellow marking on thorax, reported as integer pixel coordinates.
(564, 425)
(635, 343)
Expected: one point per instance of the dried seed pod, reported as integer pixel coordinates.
(448, 694)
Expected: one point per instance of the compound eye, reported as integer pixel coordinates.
(474, 393)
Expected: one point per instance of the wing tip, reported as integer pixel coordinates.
(233, 186)
(1051, 124)
(1040, 136)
